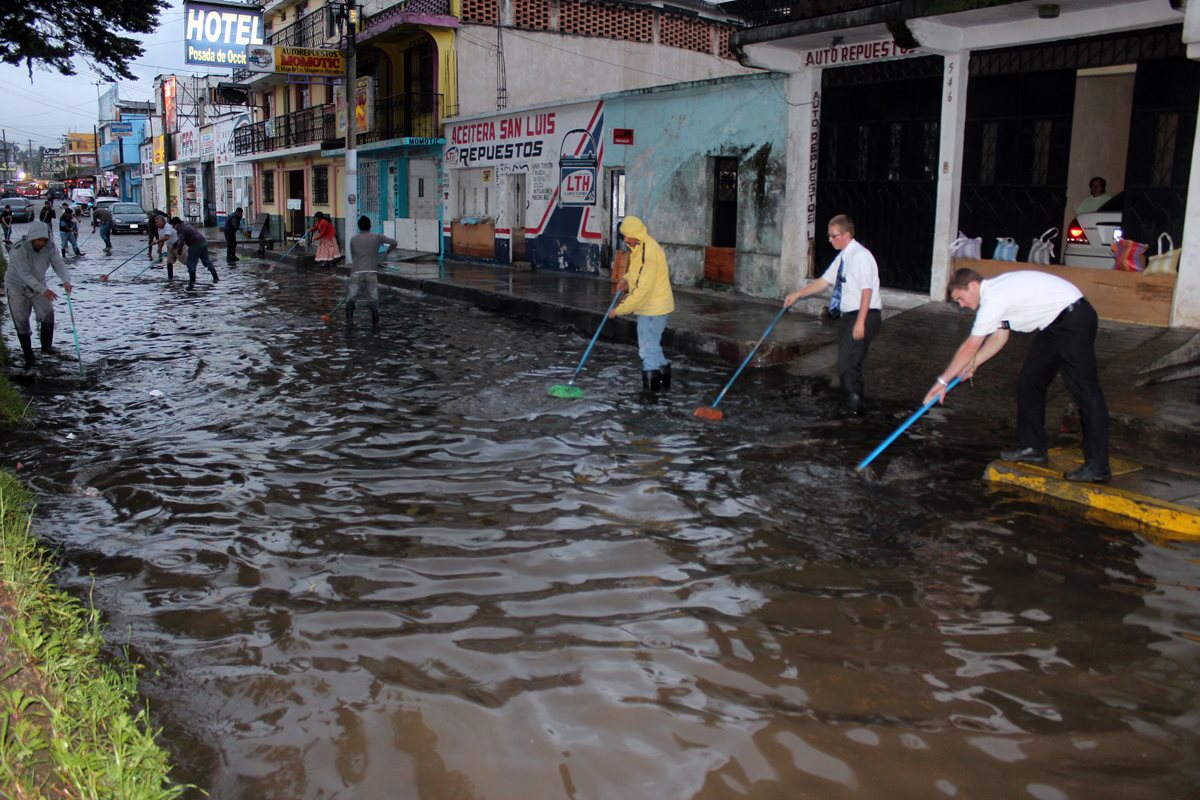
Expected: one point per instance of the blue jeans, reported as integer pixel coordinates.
(68, 238)
(105, 231)
(650, 331)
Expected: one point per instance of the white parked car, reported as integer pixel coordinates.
(1090, 236)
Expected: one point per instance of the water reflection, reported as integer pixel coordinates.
(390, 565)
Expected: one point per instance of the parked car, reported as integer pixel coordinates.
(1090, 236)
(129, 218)
(105, 202)
(9, 190)
(22, 208)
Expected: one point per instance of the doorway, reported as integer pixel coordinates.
(516, 187)
(720, 257)
(295, 202)
(616, 211)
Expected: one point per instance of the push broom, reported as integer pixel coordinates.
(104, 277)
(568, 390)
(714, 413)
(903, 427)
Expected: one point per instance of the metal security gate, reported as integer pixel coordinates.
(370, 181)
(878, 163)
(1161, 131)
(1016, 156)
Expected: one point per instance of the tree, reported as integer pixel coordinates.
(50, 33)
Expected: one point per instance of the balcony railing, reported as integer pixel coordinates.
(432, 7)
(312, 125)
(414, 115)
(308, 31)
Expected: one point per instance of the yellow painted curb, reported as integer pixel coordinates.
(1151, 511)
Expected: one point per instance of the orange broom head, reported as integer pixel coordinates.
(104, 278)
(326, 318)
(704, 412)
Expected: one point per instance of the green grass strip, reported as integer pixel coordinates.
(69, 722)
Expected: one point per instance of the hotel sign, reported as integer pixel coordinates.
(218, 35)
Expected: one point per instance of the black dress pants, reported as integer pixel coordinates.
(853, 352)
(230, 246)
(1067, 344)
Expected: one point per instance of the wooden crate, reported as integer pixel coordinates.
(1118, 296)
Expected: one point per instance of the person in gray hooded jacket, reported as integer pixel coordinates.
(26, 289)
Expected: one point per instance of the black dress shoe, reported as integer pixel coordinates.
(1089, 473)
(1026, 455)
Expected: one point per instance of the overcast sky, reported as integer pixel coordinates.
(53, 104)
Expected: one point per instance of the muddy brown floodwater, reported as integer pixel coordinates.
(390, 566)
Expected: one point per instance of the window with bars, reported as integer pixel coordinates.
(987, 160)
(268, 186)
(1165, 134)
(1039, 176)
(320, 185)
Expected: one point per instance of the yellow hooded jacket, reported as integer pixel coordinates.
(649, 281)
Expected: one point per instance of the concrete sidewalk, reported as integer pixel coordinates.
(1155, 418)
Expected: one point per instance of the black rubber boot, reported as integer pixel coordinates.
(26, 340)
(665, 371)
(46, 332)
(651, 380)
(350, 312)
(375, 319)
(854, 403)
(216, 278)
(191, 280)
(171, 271)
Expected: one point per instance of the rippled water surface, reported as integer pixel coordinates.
(390, 566)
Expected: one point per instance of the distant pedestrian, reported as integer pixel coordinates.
(26, 290)
(68, 230)
(102, 219)
(326, 238)
(233, 224)
(47, 214)
(650, 298)
(854, 276)
(1066, 325)
(197, 249)
(1097, 196)
(364, 269)
(6, 221)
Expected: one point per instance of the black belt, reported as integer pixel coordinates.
(1063, 314)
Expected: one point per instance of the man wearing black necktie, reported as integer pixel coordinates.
(854, 276)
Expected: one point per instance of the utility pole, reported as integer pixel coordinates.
(4, 138)
(350, 11)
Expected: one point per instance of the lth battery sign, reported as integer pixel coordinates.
(577, 164)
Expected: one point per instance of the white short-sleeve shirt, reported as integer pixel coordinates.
(860, 272)
(1027, 300)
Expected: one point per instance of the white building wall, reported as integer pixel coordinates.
(546, 67)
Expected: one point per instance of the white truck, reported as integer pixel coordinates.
(82, 200)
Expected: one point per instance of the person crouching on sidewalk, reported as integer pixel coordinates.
(650, 298)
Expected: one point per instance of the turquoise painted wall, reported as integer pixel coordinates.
(678, 131)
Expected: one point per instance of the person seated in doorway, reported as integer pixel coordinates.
(1098, 196)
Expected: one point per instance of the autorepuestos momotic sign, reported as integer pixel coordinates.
(217, 35)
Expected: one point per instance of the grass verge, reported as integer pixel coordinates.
(68, 723)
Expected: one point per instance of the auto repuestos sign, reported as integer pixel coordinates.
(295, 61)
(218, 35)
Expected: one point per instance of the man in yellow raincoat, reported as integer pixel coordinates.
(650, 298)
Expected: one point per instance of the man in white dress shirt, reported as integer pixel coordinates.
(1066, 325)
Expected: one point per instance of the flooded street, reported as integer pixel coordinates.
(388, 565)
